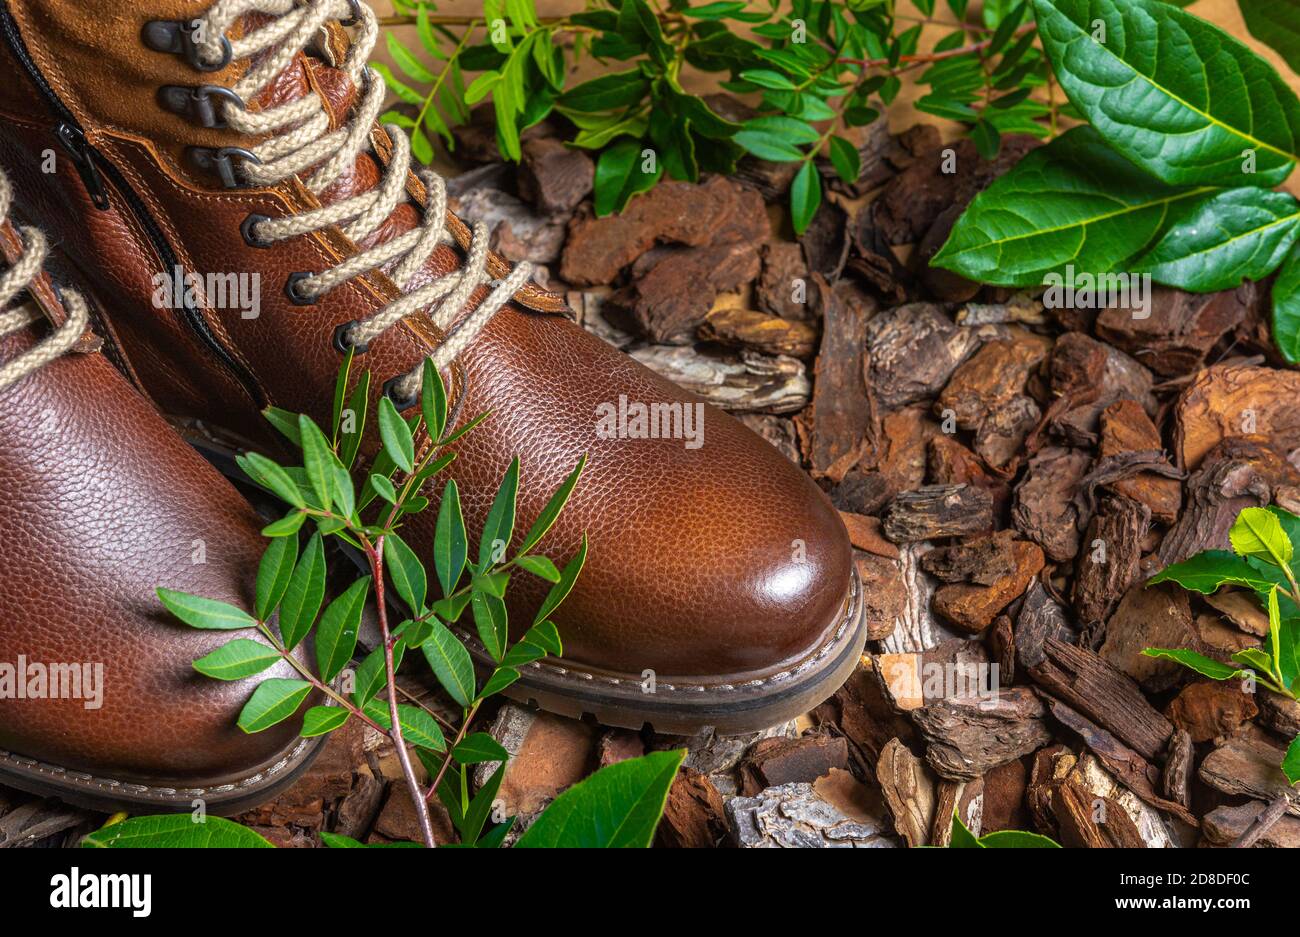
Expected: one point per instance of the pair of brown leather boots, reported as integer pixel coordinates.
(236, 140)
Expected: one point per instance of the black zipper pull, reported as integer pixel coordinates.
(74, 141)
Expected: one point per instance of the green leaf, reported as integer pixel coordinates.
(450, 663)
(1074, 202)
(198, 612)
(318, 460)
(540, 566)
(285, 422)
(291, 523)
(768, 146)
(1286, 308)
(1206, 572)
(501, 678)
(560, 591)
(358, 403)
(372, 672)
(304, 594)
(546, 519)
(1193, 661)
(478, 748)
(1173, 93)
(175, 831)
(962, 838)
(480, 808)
(406, 572)
(617, 807)
(805, 197)
(1257, 532)
(846, 159)
(1234, 235)
(767, 78)
(546, 636)
(433, 400)
(521, 654)
(606, 93)
(237, 659)
(407, 61)
(274, 478)
(1291, 763)
(450, 547)
(336, 635)
(396, 436)
(988, 141)
(1016, 839)
(418, 727)
(273, 574)
(784, 128)
(490, 619)
(321, 720)
(384, 488)
(274, 701)
(500, 523)
(1275, 23)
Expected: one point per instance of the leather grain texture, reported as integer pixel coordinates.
(720, 561)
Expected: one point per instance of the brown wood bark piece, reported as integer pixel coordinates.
(1176, 780)
(747, 328)
(1105, 695)
(1229, 480)
(1225, 401)
(1247, 768)
(909, 791)
(938, 511)
(1223, 826)
(915, 349)
(1125, 427)
(1209, 709)
(968, 736)
(1150, 616)
(973, 608)
(1044, 509)
(1107, 564)
(1180, 329)
(694, 815)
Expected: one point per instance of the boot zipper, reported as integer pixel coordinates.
(92, 167)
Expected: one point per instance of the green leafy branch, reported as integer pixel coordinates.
(1189, 198)
(818, 68)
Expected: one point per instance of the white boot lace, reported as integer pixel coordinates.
(300, 139)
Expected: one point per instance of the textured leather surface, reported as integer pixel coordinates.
(100, 503)
(720, 560)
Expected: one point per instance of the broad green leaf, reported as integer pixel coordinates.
(1275, 23)
(490, 620)
(175, 831)
(406, 572)
(480, 808)
(540, 566)
(1291, 763)
(450, 547)
(1256, 660)
(291, 523)
(846, 159)
(1257, 532)
(1286, 308)
(785, 128)
(418, 727)
(1074, 202)
(372, 672)
(318, 460)
(546, 519)
(1173, 93)
(1193, 661)
(478, 748)
(805, 196)
(768, 146)
(304, 594)
(433, 400)
(767, 78)
(1234, 235)
(617, 807)
(274, 701)
(1206, 572)
(285, 422)
(568, 576)
(320, 720)
(521, 654)
(1016, 839)
(407, 61)
(198, 612)
(396, 436)
(500, 523)
(384, 488)
(336, 635)
(607, 93)
(546, 636)
(501, 678)
(273, 574)
(273, 477)
(358, 404)
(962, 838)
(237, 659)
(450, 663)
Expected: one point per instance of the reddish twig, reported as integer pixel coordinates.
(1265, 821)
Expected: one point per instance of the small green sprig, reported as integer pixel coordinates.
(1263, 547)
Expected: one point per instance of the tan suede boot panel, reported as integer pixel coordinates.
(92, 54)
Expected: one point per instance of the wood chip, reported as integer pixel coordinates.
(968, 736)
(938, 511)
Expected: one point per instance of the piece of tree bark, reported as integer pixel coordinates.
(1150, 616)
(968, 736)
(694, 815)
(747, 328)
(909, 791)
(915, 349)
(1232, 477)
(1247, 768)
(1225, 401)
(1224, 826)
(1126, 428)
(743, 383)
(1180, 328)
(1044, 509)
(938, 511)
(983, 560)
(1176, 779)
(1103, 694)
(1208, 709)
(1108, 563)
(972, 608)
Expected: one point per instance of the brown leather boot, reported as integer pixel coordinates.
(220, 141)
(100, 504)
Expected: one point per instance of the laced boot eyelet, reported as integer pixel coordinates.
(197, 105)
(393, 393)
(343, 344)
(221, 161)
(247, 228)
(177, 37)
(293, 289)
